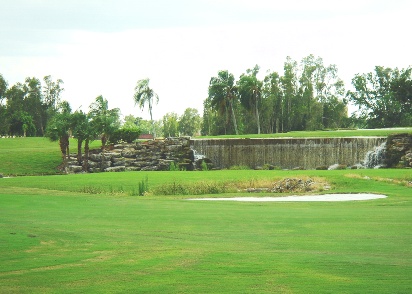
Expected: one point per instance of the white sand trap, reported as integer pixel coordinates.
(324, 198)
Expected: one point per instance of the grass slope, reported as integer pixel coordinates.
(55, 240)
(32, 156)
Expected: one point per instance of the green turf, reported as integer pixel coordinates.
(321, 134)
(32, 156)
(57, 241)
(86, 234)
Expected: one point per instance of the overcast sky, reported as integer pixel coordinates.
(104, 47)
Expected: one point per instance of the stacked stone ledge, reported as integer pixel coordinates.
(153, 155)
(399, 150)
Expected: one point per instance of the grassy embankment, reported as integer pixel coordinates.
(56, 238)
(39, 156)
(32, 156)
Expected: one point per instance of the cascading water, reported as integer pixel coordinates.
(375, 158)
(197, 156)
(286, 153)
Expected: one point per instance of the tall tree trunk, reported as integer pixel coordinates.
(233, 117)
(151, 120)
(79, 151)
(257, 116)
(63, 148)
(104, 139)
(67, 146)
(86, 155)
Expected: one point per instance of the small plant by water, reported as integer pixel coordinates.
(204, 166)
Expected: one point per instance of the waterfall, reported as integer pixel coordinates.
(197, 156)
(374, 158)
(286, 153)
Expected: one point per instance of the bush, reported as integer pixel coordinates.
(128, 135)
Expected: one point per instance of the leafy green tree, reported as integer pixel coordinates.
(145, 95)
(190, 122)
(382, 97)
(250, 92)
(131, 122)
(33, 104)
(51, 92)
(272, 102)
(171, 125)
(306, 116)
(401, 87)
(3, 87)
(106, 120)
(4, 123)
(290, 89)
(21, 123)
(59, 127)
(223, 96)
(15, 109)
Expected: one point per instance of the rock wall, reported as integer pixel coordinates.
(399, 150)
(153, 155)
(286, 153)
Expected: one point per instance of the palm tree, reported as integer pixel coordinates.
(59, 127)
(222, 93)
(250, 92)
(103, 121)
(106, 120)
(145, 95)
(81, 130)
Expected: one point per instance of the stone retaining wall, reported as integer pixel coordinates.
(399, 151)
(154, 155)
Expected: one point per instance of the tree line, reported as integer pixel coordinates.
(308, 96)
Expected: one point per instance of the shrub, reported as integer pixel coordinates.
(128, 135)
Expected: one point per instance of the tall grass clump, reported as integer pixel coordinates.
(204, 166)
(144, 186)
(196, 188)
(239, 167)
(173, 166)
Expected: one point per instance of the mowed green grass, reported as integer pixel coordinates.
(323, 134)
(57, 240)
(32, 156)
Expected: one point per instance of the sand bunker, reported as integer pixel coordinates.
(319, 198)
